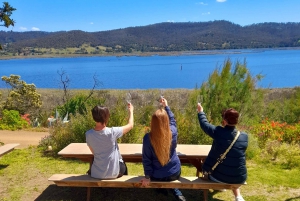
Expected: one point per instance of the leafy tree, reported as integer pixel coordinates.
(5, 13)
(21, 97)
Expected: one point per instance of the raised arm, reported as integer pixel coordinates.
(172, 120)
(204, 124)
(129, 126)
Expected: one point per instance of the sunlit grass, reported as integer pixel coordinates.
(24, 176)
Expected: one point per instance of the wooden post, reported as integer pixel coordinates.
(88, 194)
(205, 194)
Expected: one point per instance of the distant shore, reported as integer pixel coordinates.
(147, 54)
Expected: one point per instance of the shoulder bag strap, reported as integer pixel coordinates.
(223, 156)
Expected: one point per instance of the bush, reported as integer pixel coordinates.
(283, 154)
(275, 131)
(62, 135)
(11, 120)
(285, 109)
(253, 149)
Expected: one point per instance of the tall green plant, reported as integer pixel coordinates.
(231, 86)
(227, 86)
(79, 104)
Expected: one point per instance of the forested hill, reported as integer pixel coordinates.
(162, 37)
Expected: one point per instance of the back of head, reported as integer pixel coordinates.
(231, 116)
(161, 136)
(100, 114)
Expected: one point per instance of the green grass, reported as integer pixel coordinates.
(24, 176)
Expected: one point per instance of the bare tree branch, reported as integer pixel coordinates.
(65, 81)
(97, 83)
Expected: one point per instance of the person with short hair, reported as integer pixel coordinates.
(160, 160)
(233, 168)
(102, 141)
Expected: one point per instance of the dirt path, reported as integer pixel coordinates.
(24, 138)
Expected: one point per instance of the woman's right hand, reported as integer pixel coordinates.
(130, 107)
(164, 102)
(199, 107)
(145, 182)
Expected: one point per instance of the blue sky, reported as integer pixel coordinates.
(101, 15)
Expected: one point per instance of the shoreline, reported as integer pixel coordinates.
(149, 54)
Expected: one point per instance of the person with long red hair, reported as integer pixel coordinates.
(160, 160)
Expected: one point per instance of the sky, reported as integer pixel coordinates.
(102, 15)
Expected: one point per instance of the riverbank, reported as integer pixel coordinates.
(145, 54)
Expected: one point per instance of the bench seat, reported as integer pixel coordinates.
(7, 148)
(127, 181)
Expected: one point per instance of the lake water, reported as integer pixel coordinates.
(280, 67)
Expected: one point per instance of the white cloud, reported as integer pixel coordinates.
(207, 13)
(35, 29)
(170, 20)
(91, 22)
(221, 1)
(23, 28)
(202, 3)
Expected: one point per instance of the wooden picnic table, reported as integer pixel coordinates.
(191, 154)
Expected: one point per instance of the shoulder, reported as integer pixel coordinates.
(112, 130)
(90, 132)
(243, 135)
(146, 138)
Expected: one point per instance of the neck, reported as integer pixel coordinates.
(99, 126)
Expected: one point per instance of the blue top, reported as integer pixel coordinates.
(233, 168)
(152, 167)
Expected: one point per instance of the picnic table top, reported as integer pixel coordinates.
(183, 150)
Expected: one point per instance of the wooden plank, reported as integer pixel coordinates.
(7, 148)
(135, 150)
(128, 181)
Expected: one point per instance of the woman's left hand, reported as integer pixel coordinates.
(145, 182)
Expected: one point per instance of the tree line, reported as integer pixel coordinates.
(163, 37)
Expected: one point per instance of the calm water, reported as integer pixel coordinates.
(280, 67)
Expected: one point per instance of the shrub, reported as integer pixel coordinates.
(79, 104)
(11, 120)
(283, 154)
(285, 108)
(273, 130)
(253, 149)
(62, 135)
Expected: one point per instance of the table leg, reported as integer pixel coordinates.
(88, 194)
(198, 164)
(205, 194)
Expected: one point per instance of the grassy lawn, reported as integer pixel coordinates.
(24, 176)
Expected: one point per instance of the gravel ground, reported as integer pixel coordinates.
(24, 138)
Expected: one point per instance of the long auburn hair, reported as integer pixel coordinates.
(161, 136)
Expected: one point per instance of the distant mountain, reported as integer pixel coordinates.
(187, 36)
